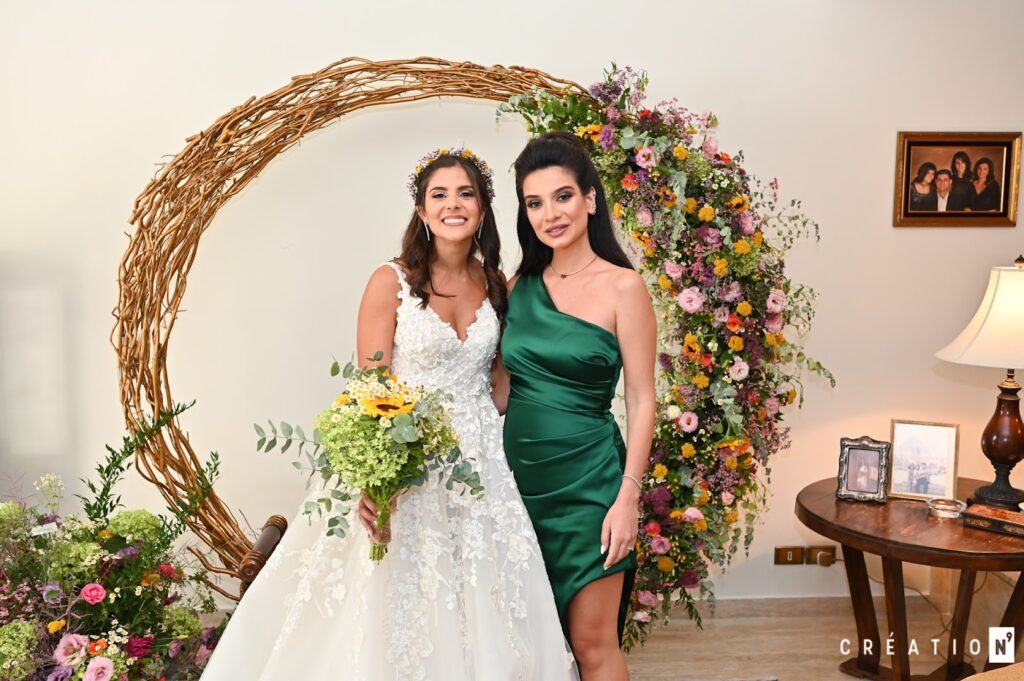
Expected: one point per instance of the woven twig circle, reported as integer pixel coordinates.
(179, 204)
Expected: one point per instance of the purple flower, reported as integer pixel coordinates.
(690, 579)
(127, 552)
(660, 545)
(688, 421)
(49, 518)
(52, 593)
(776, 300)
(59, 673)
(174, 649)
(644, 216)
(139, 646)
(645, 157)
(732, 292)
(711, 236)
(665, 362)
(746, 223)
(613, 114)
(691, 300)
(208, 635)
(607, 137)
(660, 498)
(646, 598)
(773, 323)
(202, 656)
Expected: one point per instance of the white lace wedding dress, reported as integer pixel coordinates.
(462, 594)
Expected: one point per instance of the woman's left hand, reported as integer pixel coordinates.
(619, 530)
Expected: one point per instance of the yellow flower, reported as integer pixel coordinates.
(591, 132)
(735, 343)
(721, 267)
(342, 400)
(706, 214)
(667, 197)
(791, 395)
(770, 339)
(617, 210)
(681, 152)
(740, 203)
(731, 463)
(701, 526)
(689, 451)
(391, 407)
(106, 534)
(744, 309)
(731, 517)
(659, 472)
(758, 238)
(150, 578)
(664, 282)
(677, 515)
(691, 205)
(703, 498)
(701, 380)
(55, 626)
(665, 564)
(742, 247)
(690, 130)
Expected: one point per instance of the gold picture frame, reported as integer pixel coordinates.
(923, 460)
(927, 162)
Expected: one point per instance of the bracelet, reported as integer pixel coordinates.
(638, 485)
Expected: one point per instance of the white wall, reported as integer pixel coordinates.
(95, 94)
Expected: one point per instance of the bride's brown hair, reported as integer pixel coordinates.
(418, 252)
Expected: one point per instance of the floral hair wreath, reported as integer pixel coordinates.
(462, 152)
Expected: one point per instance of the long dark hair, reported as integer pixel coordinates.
(418, 253)
(962, 155)
(563, 150)
(922, 172)
(991, 169)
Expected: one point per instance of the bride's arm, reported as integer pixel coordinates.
(499, 375)
(375, 332)
(378, 315)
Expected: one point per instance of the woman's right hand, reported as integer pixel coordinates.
(368, 512)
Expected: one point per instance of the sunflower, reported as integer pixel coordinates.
(390, 406)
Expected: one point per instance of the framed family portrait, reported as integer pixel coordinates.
(863, 469)
(924, 458)
(957, 179)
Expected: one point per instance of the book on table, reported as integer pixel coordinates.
(994, 519)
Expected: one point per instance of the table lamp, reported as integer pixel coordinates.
(995, 338)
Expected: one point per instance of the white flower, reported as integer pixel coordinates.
(673, 412)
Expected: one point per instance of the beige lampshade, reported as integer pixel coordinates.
(995, 335)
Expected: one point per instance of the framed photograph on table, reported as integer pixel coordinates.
(863, 469)
(924, 459)
(957, 179)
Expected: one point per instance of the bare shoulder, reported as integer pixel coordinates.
(383, 283)
(512, 282)
(629, 285)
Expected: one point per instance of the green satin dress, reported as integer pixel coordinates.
(561, 439)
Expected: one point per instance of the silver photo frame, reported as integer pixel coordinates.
(863, 469)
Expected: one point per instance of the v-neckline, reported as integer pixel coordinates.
(551, 302)
(451, 327)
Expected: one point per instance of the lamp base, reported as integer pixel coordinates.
(1001, 492)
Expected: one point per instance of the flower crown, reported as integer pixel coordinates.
(463, 152)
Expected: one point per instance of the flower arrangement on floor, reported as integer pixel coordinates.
(101, 597)
(711, 242)
(380, 436)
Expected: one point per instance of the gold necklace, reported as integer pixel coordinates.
(563, 276)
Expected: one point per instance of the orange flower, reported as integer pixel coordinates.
(701, 526)
(690, 206)
(630, 183)
(740, 203)
(667, 197)
(106, 534)
(744, 309)
(734, 324)
(97, 646)
(689, 451)
(150, 578)
(726, 158)
(665, 564)
(758, 238)
(735, 343)
(701, 380)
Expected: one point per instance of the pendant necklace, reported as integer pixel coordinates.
(563, 276)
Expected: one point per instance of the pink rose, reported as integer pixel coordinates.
(691, 300)
(732, 292)
(71, 650)
(728, 498)
(773, 323)
(693, 515)
(746, 223)
(688, 421)
(646, 598)
(93, 593)
(739, 370)
(645, 157)
(660, 545)
(673, 270)
(641, 616)
(202, 656)
(644, 216)
(710, 146)
(99, 669)
(776, 300)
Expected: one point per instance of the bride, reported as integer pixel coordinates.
(462, 593)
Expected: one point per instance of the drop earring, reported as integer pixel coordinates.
(426, 229)
(479, 230)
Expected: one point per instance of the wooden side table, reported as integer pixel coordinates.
(902, 531)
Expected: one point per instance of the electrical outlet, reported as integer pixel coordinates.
(789, 555)
(821, 555)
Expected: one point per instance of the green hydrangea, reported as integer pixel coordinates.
(609, 165)
(136, 524)
(181, 623)
(697, 167)
(359, 450)
(12, 516)
(74, 561)
(745, 265)
(17, 643)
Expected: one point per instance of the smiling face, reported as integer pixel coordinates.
(451, 206)
(983, 170)
(557, 208)
(960, 166)
(942, 183)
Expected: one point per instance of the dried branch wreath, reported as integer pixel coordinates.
(180, 203)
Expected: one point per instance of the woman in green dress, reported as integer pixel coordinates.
(578, 316)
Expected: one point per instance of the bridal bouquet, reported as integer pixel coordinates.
(380, 436)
